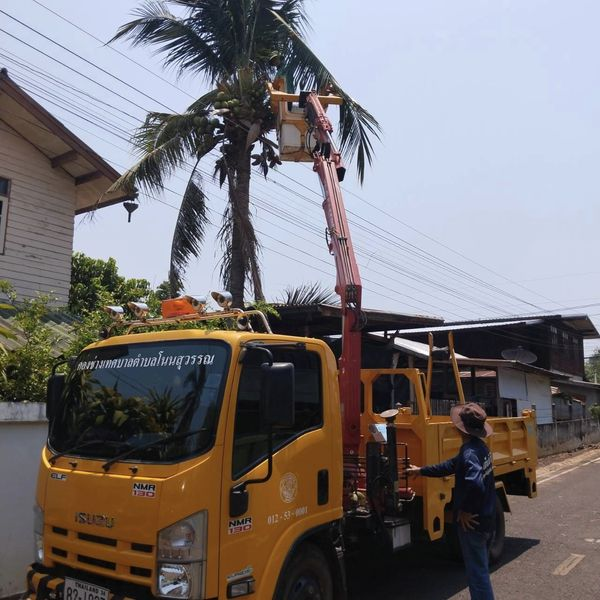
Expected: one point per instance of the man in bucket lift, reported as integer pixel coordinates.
(474, 494)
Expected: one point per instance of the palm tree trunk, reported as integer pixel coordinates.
(242, 233)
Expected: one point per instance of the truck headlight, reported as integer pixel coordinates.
(38, 534)
(181, 558)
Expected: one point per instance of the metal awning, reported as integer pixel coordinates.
(417, 349)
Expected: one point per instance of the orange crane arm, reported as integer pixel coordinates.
(328, 165)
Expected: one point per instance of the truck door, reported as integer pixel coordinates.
(296, 497)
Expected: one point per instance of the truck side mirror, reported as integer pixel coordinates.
(54, 390)
(277, 395)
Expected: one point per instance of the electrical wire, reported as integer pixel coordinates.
(358, 216)
(85, 60)
(488, 306)
(106, 45)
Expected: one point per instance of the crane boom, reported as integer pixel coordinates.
(298, 127)
(328, 165)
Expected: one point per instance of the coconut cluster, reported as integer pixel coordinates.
(248, 106)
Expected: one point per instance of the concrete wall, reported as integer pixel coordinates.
(23, 429)
(567, 435)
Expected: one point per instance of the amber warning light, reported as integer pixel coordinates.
(176, 307)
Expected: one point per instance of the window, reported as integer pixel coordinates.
(250, 441)
(4, 191)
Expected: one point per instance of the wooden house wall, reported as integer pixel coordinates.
(39, 235)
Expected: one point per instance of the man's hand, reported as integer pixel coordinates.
(413, 471)
(468, 521)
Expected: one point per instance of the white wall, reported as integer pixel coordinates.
(527, 389)
(39, 234)
(23, 430)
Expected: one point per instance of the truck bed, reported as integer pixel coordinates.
(431, 439)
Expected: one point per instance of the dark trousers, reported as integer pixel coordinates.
(475, 554)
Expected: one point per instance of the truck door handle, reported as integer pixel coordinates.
(322, 487)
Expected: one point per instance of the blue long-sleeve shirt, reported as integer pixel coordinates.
(475, 489)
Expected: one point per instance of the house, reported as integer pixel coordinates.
(522, 362)
(47, 176)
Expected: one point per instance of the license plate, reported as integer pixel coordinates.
(81, 590)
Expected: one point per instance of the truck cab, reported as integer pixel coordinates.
(137, 491)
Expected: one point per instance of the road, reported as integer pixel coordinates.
(552, 549)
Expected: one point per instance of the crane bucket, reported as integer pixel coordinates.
(293, 131)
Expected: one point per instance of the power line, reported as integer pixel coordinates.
(358, 216)
(85, 60)
(495, 308)
(55, 82)
(105, 45)
(104, 87)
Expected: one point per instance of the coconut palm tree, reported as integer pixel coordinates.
(237, 46)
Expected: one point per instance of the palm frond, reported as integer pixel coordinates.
(224, 236)
(180, 40)
(203, 103)
(308, 72)
(154, 167)
(159, 128)
(190, 229)
(308, 294)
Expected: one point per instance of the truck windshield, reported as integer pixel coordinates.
(125, 397)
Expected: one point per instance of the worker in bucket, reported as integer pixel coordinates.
(474, 494)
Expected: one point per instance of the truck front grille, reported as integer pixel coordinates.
(120, 559)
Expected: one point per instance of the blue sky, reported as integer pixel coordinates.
(482, 200)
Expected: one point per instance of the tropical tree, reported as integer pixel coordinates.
(237, 46)
(96, 282)
(592, 367)
(307, 294)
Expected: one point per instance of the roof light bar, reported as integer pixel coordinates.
(198, 303)
(116, 312)
(139, 309)
(223, 299)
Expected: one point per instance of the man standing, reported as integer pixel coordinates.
(474, 494)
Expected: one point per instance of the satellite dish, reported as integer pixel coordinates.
(519, 354)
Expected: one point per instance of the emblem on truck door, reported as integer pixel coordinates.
(288, 487)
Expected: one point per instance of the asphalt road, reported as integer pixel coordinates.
(552, 549)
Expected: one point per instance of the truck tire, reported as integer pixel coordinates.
(307, 576)
(496, 543)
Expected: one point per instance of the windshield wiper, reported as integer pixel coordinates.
(76, 447)
(170, 438)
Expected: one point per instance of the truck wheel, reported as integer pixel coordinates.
(496, 543)
(307, 577)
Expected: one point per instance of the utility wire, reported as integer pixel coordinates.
(85, 60)
(104, 87)
(106, 45)
(494, 308)
(518, 299)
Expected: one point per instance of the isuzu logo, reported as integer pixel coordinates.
(84, 518)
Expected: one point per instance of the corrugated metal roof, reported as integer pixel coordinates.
(60, 324)
(511, 364)
(417, 349)
(579, 322)
(478, 325)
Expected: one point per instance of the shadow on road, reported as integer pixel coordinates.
(423, 572)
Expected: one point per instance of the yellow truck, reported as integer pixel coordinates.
(226, 461)
(198, 463)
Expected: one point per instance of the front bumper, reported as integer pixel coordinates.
(44, 584)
